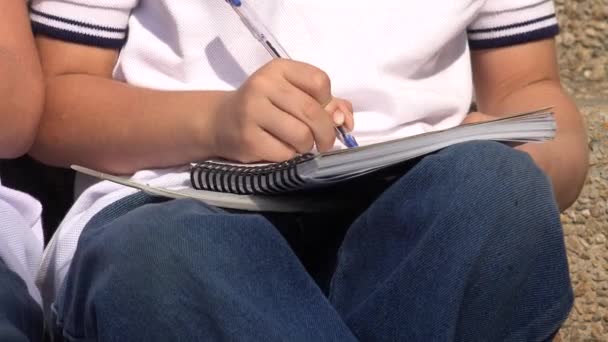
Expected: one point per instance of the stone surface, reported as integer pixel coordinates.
(586, 229)
(583, 47)
(583, 59)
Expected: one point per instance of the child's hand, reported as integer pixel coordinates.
(284, 108)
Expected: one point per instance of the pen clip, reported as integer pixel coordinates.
(257, 29)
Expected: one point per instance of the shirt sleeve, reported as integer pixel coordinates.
(101, 23)
(503, 23)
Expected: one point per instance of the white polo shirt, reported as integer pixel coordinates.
(405, 65)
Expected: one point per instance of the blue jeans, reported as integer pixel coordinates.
(20, 316)
(466, 246)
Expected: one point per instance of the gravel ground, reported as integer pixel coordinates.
(586, 230)
(583, 45)
(583, 57)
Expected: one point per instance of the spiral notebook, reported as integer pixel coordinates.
(290, 186)
(317, 170)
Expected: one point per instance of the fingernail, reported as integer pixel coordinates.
(339, 118)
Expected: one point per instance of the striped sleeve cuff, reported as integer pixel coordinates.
(499, 27)
(77, 21)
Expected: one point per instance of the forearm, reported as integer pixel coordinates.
(118, 128)
(21, 88)
(20, 106)
(565, 159)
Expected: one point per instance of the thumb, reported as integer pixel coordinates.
(342, 113)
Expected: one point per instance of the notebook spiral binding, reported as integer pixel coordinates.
(248, 180)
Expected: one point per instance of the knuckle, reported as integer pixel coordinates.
(321, 81)
(277, 63)
(283, 88)
(348, 105)
(310, 108)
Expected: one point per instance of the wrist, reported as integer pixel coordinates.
(203, 131)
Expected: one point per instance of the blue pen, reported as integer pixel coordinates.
(276, 50)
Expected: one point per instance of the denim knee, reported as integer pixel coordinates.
(163, 232)
(156, 256)
(475, 182)
(493, 159)
(492, 170)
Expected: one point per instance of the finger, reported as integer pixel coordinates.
(310, 79)
(349, 122)
(268, 148)
(342, 113)
(288, 129)
(292, 100)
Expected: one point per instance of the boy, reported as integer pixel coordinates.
(467, 245)
(21, 97)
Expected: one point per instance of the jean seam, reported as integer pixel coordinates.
(65, 333)
(59, 325)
